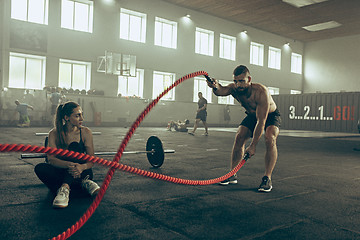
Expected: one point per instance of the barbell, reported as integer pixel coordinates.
(46, 134)
(154, 151)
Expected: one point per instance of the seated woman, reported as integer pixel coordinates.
(62, 174)
(179, 126)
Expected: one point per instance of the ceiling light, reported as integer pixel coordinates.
(302, 3)
(322, 26)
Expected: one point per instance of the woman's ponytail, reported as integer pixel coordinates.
(62, 110)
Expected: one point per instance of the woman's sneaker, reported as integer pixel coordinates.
(265, 185)
(90, 186)
(62, 198)
(230, 180)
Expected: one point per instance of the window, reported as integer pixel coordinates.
(204, 42)
(77, 15)
(26, 71)
(227, 47)
(226, 99)
(257, 54)
(296, 63)
(132, 86)
(295, 92)
(200, 85)
(274, 58)
(74, 74)
(165, 33)
(132, 25)
(274, 90)
(162, 81)
(35, 11)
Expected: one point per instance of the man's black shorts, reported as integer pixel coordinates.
(272, 119)
(201, 115)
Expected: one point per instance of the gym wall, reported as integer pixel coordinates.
(331, 112)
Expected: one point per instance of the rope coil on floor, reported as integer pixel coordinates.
(115, 163)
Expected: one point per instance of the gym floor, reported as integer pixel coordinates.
(315, 195)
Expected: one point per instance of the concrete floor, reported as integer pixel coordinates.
(315, 196)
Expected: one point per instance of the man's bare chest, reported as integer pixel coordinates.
(248, 103)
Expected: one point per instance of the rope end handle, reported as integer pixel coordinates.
(210, 81)
(246, 156)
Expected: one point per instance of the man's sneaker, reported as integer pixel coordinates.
(62, 198)
(206, 134)
(230, 180)
(90, 186)
(191, 133)
(265, 185)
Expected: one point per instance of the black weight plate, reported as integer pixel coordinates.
(156, 159)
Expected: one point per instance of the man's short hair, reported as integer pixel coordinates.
(240, 70)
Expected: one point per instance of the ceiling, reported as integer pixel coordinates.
(280, 18)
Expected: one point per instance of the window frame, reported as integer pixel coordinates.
(199, 34)
(156, 92)
(15, 6)
(26, 57)
(292, 91)
(274, 58)
(274, 90)
(90, 14)
(78, 63)
(139, 77)
(157, 32)
(259, 59)
(232, 49)
(126, 16)
(296, 63)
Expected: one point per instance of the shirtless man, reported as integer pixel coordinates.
(262, 114)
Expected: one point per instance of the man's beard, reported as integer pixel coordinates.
(242, 91)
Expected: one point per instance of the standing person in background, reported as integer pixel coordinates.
(22, 109)
(54, 99)
(201, 115)
(227, 114)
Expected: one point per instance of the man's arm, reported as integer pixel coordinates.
(219, 90)
(203, 107)
(262, 111)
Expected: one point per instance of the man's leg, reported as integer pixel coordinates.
(206, 127)
(271, 134)
(242, 135)
(195, 126)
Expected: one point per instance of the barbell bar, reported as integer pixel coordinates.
(43, 155)
(154, 151)
(46, 134)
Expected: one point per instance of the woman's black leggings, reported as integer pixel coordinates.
(54, 177)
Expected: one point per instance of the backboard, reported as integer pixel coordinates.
(117, 64)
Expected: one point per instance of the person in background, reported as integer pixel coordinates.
(22, 109)
(201, 115)
(60, 174)
(54, 99)
(179, 126)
